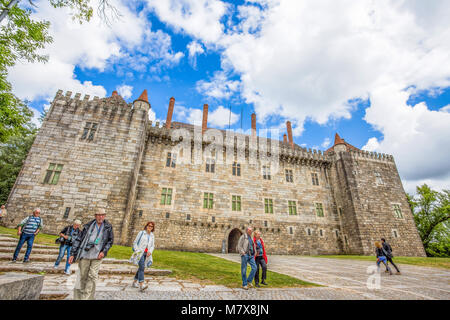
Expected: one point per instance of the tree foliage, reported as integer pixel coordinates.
(431, 211)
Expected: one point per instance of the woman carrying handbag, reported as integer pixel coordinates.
(142, 256)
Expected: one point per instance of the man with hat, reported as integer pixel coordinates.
(88, 249)
(66, 238)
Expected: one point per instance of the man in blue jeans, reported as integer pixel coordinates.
(246, 248)
(28, 229)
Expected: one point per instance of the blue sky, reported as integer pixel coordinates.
(376, 73)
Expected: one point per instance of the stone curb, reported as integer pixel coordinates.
(51, 270)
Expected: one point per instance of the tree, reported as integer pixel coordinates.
(21, 38)
(431, 210)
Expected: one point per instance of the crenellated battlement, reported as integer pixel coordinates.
(366, 155)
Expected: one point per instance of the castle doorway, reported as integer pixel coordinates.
(233, 239)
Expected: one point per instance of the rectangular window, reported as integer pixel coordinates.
(398, 212)
(340, 212)
(53, 173)
(315, 179)
(171, 161)
(208, 200)
(268, 206)
(210, 165)
(337, 233)
(236, 203)
(66, 213)
(167, 215)
(290, 230)
(308, 231)
(289, 175)
(166, 196)
(292, 208)
(89, 131)
(266, 172)
(321, 232)
(319, 209)
(236, 169)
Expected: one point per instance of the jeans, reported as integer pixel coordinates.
(29, 238)
(250, 260)
(140, 272)
(62, 250)
(260, 261)
(384, 260)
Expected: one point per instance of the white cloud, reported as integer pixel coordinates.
(326, 143)
(445, 109)
(194, 49)
(125, 91)
(92, 45)
(198, 18)
(219, 87)
(217, 118)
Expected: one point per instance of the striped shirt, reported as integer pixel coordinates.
(31, 224)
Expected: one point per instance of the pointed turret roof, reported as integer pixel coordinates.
(338, 140)
(143, 96)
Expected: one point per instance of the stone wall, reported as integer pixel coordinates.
(95, 173)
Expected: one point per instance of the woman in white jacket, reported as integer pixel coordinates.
(143, 248)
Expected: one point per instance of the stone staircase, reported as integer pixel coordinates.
(42, 259)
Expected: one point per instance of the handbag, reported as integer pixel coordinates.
(136, 256)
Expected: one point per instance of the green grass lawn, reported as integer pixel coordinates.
(417, 261)
(198, 267)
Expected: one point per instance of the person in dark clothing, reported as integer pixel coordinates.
(260, 259)
(381, 256)
(66, 238)
(387, 247)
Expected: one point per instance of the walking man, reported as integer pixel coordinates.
(246, 248)
(27, 230)
(387, 247)
(67, 236)
(89, 248)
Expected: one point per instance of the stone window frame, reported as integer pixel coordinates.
(322, 210)
(309, 231)
(89, 131)
(395, 233)
(266, 172)
(290, 206)
(172, 198)
(289, 175)
(210, 165)
(266, 224)
(240, 202)
(315, 178)
(401, 216)
(236, 169)
(71, 212)
(340, 212)
(291, 230)
(51, 173)
(171, 159)
(188, 217)
(167, 215)
(337, 233)
(209, 200)
(345, 240)
(269, 206)
(321, 233)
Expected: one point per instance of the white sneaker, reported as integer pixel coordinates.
(55, 267)
(245, 287)
(135, 285)
(68, 272)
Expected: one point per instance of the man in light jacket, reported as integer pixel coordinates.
(89, 249)
(246, 248)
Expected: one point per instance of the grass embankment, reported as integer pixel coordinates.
(416, 261)
(198, 267)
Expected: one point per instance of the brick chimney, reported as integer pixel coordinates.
(289, 131)
(170, 112)
(285, 138)
(205, 118)
(253, 125)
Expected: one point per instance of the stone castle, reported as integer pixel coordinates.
(106, 153)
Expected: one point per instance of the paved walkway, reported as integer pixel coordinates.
(351, 277)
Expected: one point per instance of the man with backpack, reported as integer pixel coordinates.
(27, 230)
(388, 249)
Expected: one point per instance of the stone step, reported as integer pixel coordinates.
(33, 251)
(53, 295)
(107, 268)
(51, 258)
(11, 243)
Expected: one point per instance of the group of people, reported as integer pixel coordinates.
(90, 246)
